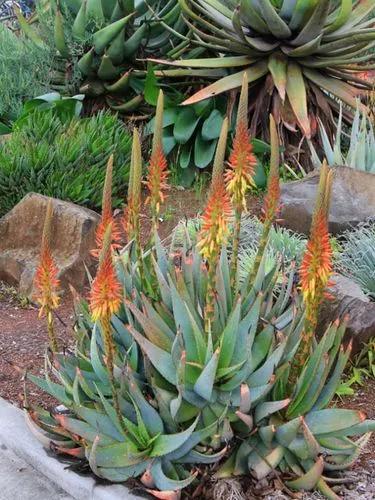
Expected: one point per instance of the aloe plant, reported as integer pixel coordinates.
(360, 154)
(176, 365)
(299, 56)
(100, 44)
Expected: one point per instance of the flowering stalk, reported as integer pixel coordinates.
(157, 172)
(315, 271)
(105, 300)
(213, 235)
(239, 175)
(271, 204)
(107, 215)
(132, 211)
(46, 282)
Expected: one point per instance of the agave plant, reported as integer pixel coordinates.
(299, 56)
(356, 258)
(197, 366)
(105, 40)
(360, 154)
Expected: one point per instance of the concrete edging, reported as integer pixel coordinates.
(15, 434)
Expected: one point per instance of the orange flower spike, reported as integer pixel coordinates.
(105, 296)
(46, 281)
(271, 204)
(215, 229)
(107, 215)
(157, 181)
(157, 172)
(316, 267)
(242, 163)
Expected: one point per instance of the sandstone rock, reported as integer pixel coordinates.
(353, 200)
(348, 299)
(73, 237)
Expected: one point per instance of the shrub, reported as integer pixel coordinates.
(356, 260)
(24, 70)
(65, 160)
(179, 365)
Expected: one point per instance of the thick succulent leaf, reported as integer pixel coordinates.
(230, 82)
(118, 455)
(301, 11)
(229, 336)
(150, 416)
(205, 382)
(275, 23)
(99, 421)
(336, 87)
(264, 374)
(352, 430)
(267, 408)
(167, 443)
(309, 480)
(332, 420)
(55, 390)
(314, 25)
(97, 364)
(164, 483)
(296, 91)
(267, 463)
(213, 62)
(194, 457)
(195, 438)
(154, 334)
(253, 18)
(287, 432)
(342, 14)
(160, 359)
(277, 64)
(122, 474)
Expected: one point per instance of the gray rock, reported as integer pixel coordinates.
(353, 200)
(73, 238)
(349, 300)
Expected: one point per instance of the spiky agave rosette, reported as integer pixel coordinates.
(190, 395)
(299, 55)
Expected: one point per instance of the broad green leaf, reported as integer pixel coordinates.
(204, 151)
(277, 64)
(309, 480)
(185, 125)
(205, 382)
(212, 125)
(151, 91)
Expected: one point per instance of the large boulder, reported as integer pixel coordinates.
(73, 238)
(353, 200)
(349, 300)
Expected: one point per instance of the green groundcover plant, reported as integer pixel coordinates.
(24, 70)
(179, 367)
(63, 158)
